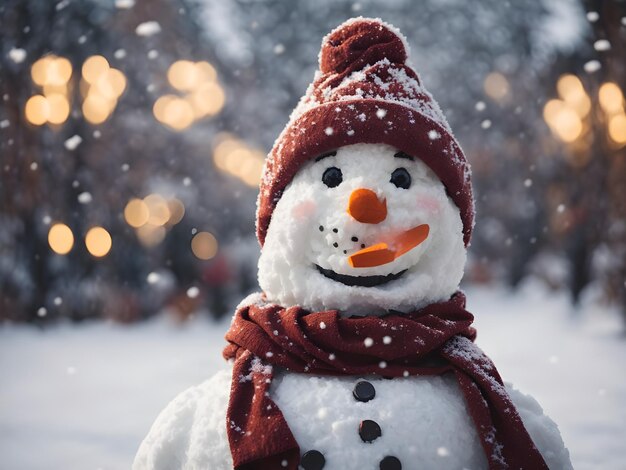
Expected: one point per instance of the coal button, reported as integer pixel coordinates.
(390, 463)
(369, 430)
(364, 391)
(312, 460)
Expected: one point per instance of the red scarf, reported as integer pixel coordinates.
(432, 341)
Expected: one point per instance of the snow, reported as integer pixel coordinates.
(602, 45)
(294, 244)
(592, 66)
(148, 28)
(124, 4)
(85, 197)
(17, 55)
(123, 376)
(193, 292)
(119, 54)
(73, 142)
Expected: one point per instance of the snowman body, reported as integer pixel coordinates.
(312, 258)
(423, 421)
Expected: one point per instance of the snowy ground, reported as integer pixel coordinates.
(83, 397)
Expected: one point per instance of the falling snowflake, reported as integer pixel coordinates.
(73, 142)
(148, 28)
(17, 55)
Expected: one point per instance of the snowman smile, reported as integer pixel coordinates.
(361, 281)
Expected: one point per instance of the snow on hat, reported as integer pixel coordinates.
(365, 92)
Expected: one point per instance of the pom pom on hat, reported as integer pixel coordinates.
(360, 42)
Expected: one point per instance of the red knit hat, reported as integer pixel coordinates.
(365, 93)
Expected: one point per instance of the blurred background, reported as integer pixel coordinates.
(132, 137)
(133, 134)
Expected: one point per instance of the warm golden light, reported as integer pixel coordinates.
(206, 72)
(174, 112)
(563, 120)
(60, 239)
(204, 96)
(58, 108)
(207, 100)
(150, 235)
(571, 89)
(59, 71)
(160, 105)
(96, 108)
(496, 86)
(51, 70)
(177, 211)
(183, 75)
(98, 242)
(204, 245)
(55, 89)
(611, 98)
(39, 70)
(617, 129)
(136, 213)
(37, 110)
(158, 209)
(94, 67)
(111, 84)
(236, 158)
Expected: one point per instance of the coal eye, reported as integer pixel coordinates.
(401, 178)
(332, 177)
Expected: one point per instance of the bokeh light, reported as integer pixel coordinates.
(60, 239)
(611, 98)
(59, 108)
(136, 213)
(158, 209)
(563, 120)
(37, 110)
(96, 108)
(204, 245)
(235, 157)
(183, 75)
(204, 96)
(51, 70)
(496, 86)
(571, 89)
(177, 211)
(617, 129)
(98, 242)
(207, 100)
(150, 235)
(93, 68)
(176, 113)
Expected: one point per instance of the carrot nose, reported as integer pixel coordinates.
(365, 206)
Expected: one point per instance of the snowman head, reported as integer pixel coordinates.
(365, 203)
(364, 229)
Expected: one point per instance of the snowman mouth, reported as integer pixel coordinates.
(361, 281)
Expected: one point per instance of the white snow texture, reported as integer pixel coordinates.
(295, 243)
(424, 423)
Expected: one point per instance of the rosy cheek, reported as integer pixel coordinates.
(428, 204)
(304, 210)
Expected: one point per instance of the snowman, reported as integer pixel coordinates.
(358, 353)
